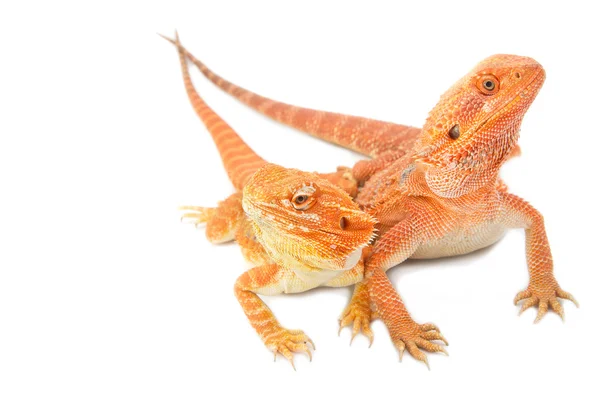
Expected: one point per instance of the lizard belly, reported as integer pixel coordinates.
(461, 241)
(308, 279)
(297, 281)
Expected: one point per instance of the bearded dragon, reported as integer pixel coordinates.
(300, 230)
(383, 141)
(440, 194)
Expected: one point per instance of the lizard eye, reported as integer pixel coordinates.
(303, 198)
(488, 84)
(300, 199)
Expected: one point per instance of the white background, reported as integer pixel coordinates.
(104, 294)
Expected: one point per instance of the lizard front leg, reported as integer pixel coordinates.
(221, 221)
(269, 279)
(396, 245)
(358, 313)
(254, 252)
(543, 289)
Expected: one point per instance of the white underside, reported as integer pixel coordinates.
(461, 241)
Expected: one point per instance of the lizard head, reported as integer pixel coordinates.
(303, 219)
(475, 125)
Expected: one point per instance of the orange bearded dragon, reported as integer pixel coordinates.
(435, 191)
(299, 230)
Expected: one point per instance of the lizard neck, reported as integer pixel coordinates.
(416, 185)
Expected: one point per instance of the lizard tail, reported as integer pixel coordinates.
(240, 161)
(367, 136)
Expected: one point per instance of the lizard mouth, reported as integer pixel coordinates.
(277, 223)
(530, 90)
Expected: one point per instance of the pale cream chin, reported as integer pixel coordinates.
(311, 268)
(353, 259)
(313, 277)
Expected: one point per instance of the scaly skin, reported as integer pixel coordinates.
(385, 141)
(444, 197)
(299, 229)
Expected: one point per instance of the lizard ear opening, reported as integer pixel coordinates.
(343, 223)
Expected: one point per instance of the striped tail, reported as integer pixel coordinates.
(240, 161)
(367, 136)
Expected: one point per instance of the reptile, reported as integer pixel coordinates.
(299, 230)
(440, 194)
(384, 142)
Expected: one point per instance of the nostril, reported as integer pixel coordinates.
(343, 222)
(454, 132)
(518, 75)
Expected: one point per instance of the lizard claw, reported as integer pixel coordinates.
(359, 317)
(544, 295)
(197, 215)
(286, 342)
(418, 338)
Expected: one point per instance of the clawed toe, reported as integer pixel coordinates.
(288, 342)
(567, 296)
(522, 295)
(421, 338)
(544, 301)
(197, 215)
(435, 335)
(360, 319)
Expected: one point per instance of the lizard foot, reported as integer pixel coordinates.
(359, 315)
(343, 179)
(287, 341)
(414, 337)
(197, 215)
(544, 293)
